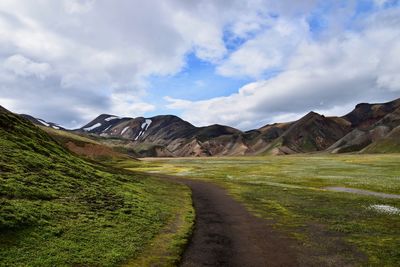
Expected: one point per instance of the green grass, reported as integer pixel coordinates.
(57, 209)
(289, 190)
(390, 144)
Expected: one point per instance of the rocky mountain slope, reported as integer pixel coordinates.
(169, 135)
(313, 132)
(164, 135)
(370, 123)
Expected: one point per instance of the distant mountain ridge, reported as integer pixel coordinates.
(168, 135)
(42, 122)
(165, 135)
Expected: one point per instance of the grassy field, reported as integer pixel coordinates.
(57, 209)
(290, 190)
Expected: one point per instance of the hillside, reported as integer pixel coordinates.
(388, 144)
(57, 209)
(313, 132)
(88, 146)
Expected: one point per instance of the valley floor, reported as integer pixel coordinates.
(293, 194)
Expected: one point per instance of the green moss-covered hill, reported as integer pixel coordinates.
(388, 144)
(56, 209)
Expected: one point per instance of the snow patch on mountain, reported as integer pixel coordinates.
(44, 123)
(145, 126)
(124, 130)
(88, 129)
(111, 118)
(106, 129)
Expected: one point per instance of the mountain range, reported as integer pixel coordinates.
(372, 128)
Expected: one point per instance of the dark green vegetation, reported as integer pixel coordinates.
(291, 191)
(57, 209)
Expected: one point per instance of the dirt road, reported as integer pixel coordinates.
(226, 234)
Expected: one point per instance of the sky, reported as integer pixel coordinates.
(243, 63)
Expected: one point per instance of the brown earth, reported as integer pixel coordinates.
(93, 151)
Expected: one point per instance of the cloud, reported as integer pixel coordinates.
(267, 51)
(22, 66)
(78, 6)
(126, 105)
(329, 76)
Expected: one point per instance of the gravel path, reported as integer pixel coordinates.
(226, 234)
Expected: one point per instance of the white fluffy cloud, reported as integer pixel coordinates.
(329, 76)
(22, 66)
(268, 50)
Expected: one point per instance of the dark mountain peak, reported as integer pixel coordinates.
(219, 126)
(309, 117)
(165, 120)
(314, 132)
(170, 118)
(104, 116)
(166, 116)
(363, 105)
(313, 114)
(107, 117)
(102, 123)
(365, 115)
